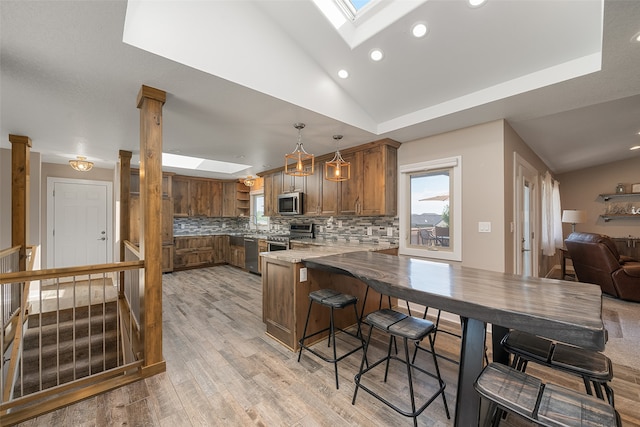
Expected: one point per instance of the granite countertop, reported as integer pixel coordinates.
(362, 246)
(228, 233)
(321, 248)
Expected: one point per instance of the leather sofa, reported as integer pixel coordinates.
(596, 260)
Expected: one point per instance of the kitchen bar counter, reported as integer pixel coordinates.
(324, 248)
(566, 311)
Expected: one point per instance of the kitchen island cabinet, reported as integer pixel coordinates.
(285, 295)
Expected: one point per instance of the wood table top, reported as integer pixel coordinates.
(570, 312)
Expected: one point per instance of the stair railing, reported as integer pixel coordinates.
(74, 292)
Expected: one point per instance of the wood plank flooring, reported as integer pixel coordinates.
(222, 369)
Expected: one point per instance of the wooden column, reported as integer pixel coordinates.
(125, 190)
(20, 167)
(150, 102)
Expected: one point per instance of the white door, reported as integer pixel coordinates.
(526, 225)
(81, 231)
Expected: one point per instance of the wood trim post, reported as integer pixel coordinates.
(150, 102)
(125, 206)
(20, 169)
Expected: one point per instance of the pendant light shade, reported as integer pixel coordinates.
(81, 164)
(299, 162)
(337, 169)
(249, 181)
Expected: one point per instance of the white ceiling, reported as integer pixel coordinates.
(69, 82)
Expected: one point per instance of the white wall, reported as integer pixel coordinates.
(481, 148)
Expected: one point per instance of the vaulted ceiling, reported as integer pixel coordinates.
(239, 74)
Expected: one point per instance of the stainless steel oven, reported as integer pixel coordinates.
(277, 246)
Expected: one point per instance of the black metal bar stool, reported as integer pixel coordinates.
(595, 368)
(332, 299)
(400, 325)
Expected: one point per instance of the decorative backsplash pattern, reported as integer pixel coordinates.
(340, 229)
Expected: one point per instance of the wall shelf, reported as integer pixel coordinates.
(609, 217)
(607, 197)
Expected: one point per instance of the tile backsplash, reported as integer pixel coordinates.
(370, 229)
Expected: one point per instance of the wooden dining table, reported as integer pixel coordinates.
(570, 312)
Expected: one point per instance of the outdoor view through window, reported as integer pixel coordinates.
(430, 215)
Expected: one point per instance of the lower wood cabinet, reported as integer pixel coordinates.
(236, 256)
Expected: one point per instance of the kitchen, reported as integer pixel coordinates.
(209, 222)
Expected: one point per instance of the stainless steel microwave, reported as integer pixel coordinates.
(290, 204)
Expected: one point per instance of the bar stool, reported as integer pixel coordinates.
(545, 404)
(400, 325)
(334, 300)
(595, 368)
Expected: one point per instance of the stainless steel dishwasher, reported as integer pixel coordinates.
(251, 254)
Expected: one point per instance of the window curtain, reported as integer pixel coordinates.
(551, 216)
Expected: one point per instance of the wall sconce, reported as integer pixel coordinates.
(294, 163)
(81, 164)
(249, 181)
(337, 169)
(574, 217)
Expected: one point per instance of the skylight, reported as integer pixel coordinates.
(204, 165)
(358, 20)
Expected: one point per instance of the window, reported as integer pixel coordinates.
(257, 210)
(430, 219)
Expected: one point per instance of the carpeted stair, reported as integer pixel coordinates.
(66, 346)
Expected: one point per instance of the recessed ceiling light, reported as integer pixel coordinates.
(476, 3)
(376, 55)
(419, 30)
(636, 37)
(343, 74)
(635, 147)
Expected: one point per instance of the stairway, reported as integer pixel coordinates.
(66, 348)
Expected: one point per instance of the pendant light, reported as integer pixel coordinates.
(337, 169)
(249, 181)
(81, 164)
(298, 163)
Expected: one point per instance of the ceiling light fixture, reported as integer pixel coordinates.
(299, 162)
(337, 169)
(635, 147)
(476, 3)
(343, 74)
(419, 30)
(249, 181)
(81, 164)
(636, 37)
(376, 55)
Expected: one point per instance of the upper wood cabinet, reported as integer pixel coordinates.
(236, 199)
(196, 197)
(272, 187)
(371, 191)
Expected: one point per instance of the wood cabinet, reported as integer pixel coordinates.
(236, 256)
(371, 191)
(135, 216)
(236, 199)
(272, 188)
(285, 300)
(262, 247)
(196, 197)
(193, 251)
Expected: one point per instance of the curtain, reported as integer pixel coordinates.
(551, 216)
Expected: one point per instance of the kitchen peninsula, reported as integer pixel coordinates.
(286, 284)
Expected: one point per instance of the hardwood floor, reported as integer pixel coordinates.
(222, 369)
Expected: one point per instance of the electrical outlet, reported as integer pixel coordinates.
(339, 223)
(303, 274)
(369, 231)
(389, 231)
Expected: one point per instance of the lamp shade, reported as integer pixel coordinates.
(574, 216)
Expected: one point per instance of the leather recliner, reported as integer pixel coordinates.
(596, 260)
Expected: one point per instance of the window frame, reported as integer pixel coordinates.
(253, 216)
(455, 208)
